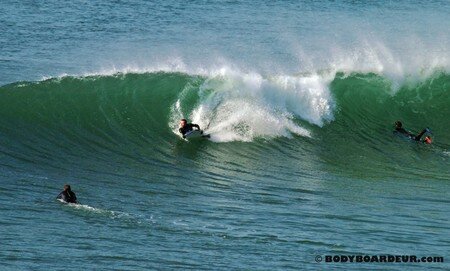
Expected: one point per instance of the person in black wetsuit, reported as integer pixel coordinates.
(187, 127)
(67, 195)
(400, 130)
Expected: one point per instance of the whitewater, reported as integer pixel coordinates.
(299, 98)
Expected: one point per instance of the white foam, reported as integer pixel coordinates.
(109, 213)
(235, 106)
(402, 62)
(402, 59)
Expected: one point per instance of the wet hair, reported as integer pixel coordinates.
(66, 186)
(398, 124)
(184, 120)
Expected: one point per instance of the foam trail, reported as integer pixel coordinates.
(108, 213)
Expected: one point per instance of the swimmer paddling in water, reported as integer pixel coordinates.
(400, 130)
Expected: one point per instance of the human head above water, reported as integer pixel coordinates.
(67, 187)
(183, 122)
(398, 124)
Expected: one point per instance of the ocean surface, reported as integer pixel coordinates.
(299, 98)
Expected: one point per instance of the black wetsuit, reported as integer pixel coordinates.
(187, 128)
(409, 134)
(68, 196)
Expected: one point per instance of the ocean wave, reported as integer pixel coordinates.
(230, 105)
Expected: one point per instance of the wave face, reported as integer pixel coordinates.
(299, 97)
(126, 115)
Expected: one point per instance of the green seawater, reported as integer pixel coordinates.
(151, 199)
(299, 98)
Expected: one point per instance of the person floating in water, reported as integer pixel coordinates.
(187, 127)
(400, 130)
(67, 195)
